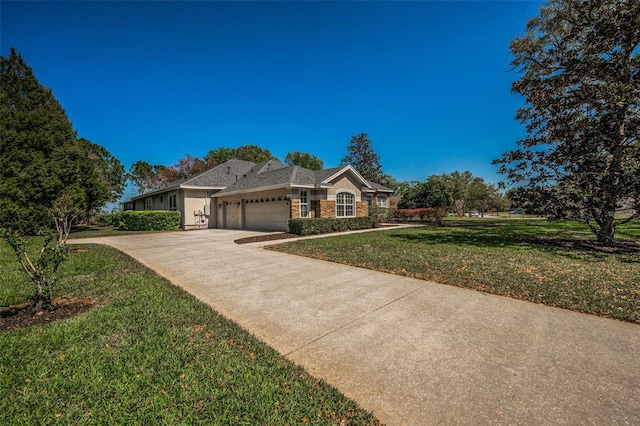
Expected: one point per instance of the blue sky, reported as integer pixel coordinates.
(428, 81)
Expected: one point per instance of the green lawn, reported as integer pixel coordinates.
(550, 263)
(148, 354)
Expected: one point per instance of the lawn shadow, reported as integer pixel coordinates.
(495, 236)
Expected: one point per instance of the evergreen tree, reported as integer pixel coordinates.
(40, 156)
(363, 158)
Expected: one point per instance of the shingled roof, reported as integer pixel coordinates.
(218, 177)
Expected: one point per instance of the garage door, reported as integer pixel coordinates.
(272, 216)
(232, 216)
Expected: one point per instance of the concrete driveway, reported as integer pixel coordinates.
(414, 352)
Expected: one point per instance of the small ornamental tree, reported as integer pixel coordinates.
(42, 271)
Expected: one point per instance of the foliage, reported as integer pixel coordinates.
(431, 193)
(482, 195)
(253, 153)
(430, 214)
(380, 214)
(303, 159)
(580, 66)
(40, 156)
(150, 353)
(327, 225)
(218, 156)
(103, 177)
(149, 220)
(363, 158)
(457, 185)
(553, 263)
(42, 272)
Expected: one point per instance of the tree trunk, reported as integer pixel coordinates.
(607, 230)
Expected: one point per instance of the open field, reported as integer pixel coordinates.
(147, 353)
(556, 264)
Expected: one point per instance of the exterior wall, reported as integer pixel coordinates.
(326, 208)
(345, 183)
(362, 208)
(295, 209)
(192, 201)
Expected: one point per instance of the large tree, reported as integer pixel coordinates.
(252, 153)
(40, 156)
(580, 66)
(457, 184)
(102, 175)
(303, 159)
(363, 158)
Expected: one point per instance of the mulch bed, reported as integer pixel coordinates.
(267, 237)
(19, 316)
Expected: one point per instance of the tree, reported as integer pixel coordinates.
(143, 176)
(40, 156)
(457, 185)
(218, 156)
(303, 159)
(481, 194)
(580, 66)
(104, 177)
(42, 271)
(429, 194)
(253, 153)
(363, 158)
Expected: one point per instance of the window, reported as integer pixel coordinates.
(148, 204)
(173, 205)
(370, 199)
(304, 204)
(345, 204)
(383, 201)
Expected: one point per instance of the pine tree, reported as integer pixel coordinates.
(364, 159)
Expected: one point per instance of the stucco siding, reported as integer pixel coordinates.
(345, 184)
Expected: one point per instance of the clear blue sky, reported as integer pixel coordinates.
(428, 81)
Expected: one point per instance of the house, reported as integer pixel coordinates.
(243, 195)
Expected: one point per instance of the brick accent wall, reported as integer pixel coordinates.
(362, 209)
(295, 209)
(326, 208)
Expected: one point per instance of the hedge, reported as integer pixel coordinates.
(148, 220)
(327, 225)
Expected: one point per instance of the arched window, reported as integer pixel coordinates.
(345, 205)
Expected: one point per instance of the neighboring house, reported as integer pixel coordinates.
(244, 195)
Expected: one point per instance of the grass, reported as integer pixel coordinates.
(550, 263)
(148, 354)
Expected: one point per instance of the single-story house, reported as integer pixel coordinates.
(243, 195)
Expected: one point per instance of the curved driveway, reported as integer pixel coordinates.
(414, 352)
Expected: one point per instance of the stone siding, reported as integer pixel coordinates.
(295, 209)
(362, 209)
(326, 208)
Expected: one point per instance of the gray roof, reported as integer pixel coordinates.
(238, 176)
(220, 176)
(281, 176)
(380, 188)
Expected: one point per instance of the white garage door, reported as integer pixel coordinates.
(232, 216)
(272, 216)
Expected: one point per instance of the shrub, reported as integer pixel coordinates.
(327, 225)
(105, 219)
(148, 220)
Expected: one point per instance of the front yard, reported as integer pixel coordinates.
(556, 264)
(147, 353)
